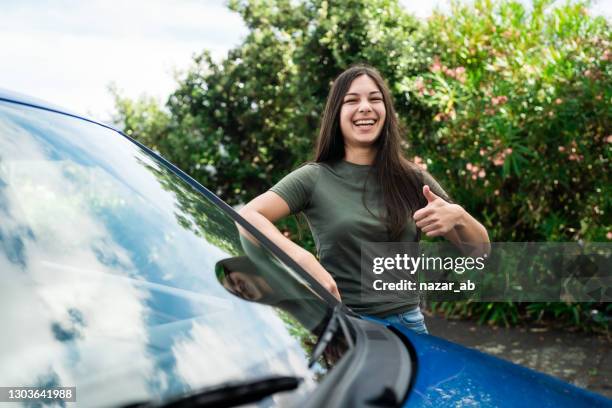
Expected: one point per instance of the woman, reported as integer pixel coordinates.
(360, 188)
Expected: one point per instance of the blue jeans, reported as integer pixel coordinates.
(412, 319)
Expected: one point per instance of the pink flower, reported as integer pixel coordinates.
(496, 192)
(476, 171)
(609, 139)
(420, 85)
(499, 100)
(508, 151)
(436, 66)
(483, 152)
(558, 101)
(460, 74)
(499, 159)
(561, 149)
(609, 235)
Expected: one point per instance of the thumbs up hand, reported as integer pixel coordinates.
(429, 195)
(438, 217)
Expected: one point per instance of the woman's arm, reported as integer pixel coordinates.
(268, 208)
(440, 218)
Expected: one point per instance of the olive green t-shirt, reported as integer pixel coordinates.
(331, 196)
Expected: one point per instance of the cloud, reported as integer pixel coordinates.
(53, 306)
(70, 51)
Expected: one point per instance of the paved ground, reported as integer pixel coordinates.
(583, 360)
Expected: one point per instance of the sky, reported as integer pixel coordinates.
(68, 52)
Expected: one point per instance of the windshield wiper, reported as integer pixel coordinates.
(230, 394)
(328, 333)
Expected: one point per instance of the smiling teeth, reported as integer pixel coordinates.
(364, 122)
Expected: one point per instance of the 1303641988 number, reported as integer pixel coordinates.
(9, 394)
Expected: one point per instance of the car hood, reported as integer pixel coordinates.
(448, 374)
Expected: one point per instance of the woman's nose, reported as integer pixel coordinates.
(364, 106)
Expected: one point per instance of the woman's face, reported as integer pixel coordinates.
(363, 113)
(246, 286)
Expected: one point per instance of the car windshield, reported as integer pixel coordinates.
(122, 279)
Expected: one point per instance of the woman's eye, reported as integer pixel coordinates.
(376, 99)
(350, 101)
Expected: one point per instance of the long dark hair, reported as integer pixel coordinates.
(401, 180)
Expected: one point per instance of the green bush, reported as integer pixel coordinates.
(520, 107)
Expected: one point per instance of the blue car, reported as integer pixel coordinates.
(126, 283)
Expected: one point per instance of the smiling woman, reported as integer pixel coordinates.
(360, 189)
(363, 114)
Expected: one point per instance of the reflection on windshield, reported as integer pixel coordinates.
(259, 277)
(108, 267)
